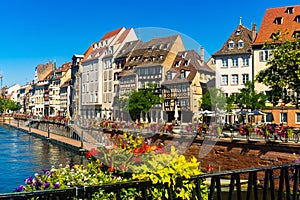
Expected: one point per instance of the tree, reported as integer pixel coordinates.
(142, 100)
(205, 103)
(213, 99)
(283, 70)
(9, 104)
(248, 98)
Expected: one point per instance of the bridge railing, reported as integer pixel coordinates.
(272, 182)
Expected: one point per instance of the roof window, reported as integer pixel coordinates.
(278, 20)
(290, 10)
(230, 44)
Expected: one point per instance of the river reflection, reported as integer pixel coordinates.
(22, 155)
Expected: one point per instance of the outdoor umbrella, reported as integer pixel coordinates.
(176, 115)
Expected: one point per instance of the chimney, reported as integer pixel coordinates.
(202, 54)
(253, 32)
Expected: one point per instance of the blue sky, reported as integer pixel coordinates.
(37, 31)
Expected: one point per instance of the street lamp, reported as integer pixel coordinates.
(282, 106)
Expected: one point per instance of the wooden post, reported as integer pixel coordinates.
(81, 139)
(48, 131)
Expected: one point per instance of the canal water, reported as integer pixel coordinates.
(23, 155)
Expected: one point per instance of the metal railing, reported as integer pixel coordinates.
(261, 184)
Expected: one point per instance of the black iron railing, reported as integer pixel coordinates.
(261, 183)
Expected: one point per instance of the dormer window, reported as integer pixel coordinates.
(238, 32)
(296, 34)
(231, 44)
(186, 63)
(290, 10)
(177, 64)
(240, 44)
(297, 18)
(166, 46)
(278, 20)
(183, 55)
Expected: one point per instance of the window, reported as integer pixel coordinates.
(290, 10)
(177, 64)
(297, 18)
(234, 79)
(182, 74)
(224, 80)
(167, 103)
(283, 117)
(245, 61)
(278, 20)
(238, 32)
(105, 75)
(269, 118)
(263, 56)
(240, 44)
(224, 62)
(231, 44)
(186, 63)
(234, 62)
(245, 78)
(297, 118)
(169, 76)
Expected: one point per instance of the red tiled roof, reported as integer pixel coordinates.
(110, 34)
(88, 52)
(123, 36)
(268, 26)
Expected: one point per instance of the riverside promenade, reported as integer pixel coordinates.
(54, 138)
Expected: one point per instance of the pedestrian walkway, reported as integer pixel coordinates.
(64, 141)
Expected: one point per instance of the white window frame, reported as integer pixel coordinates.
(234, 79)
(240, 44)
(224, 80)
(231, 44)
(224, 62)
(283, 114)
(245, 61)
(243, 78)
(235, 62)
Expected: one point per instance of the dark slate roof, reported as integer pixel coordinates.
(127, 48)
(245, 35)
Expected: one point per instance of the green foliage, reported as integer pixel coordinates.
(8, 104)
(283, 67)
(143, 99)
(173, 175)
(248, 98)
(213, 99)
(206, 101)
(147, 162)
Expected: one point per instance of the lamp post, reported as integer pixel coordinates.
(282, 106)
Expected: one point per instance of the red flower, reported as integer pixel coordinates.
(122, 167)
(111, 169)
(209, 168)
(136, 151)
(137, 159)
(146, 148)
(88, 155)
(93, 152)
